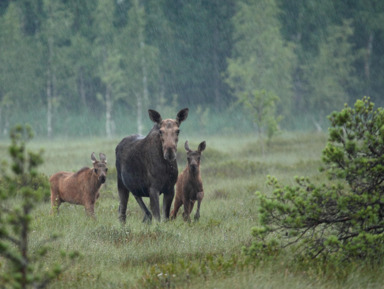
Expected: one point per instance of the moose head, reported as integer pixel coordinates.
(100, 167)
(169, 131)
(194, 156)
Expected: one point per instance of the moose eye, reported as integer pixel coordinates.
(96, 171)
(177, 132)
(160, 132)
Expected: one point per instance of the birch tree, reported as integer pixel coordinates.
(54, 33)
(260, 70)
(109, 59)
(140, 60)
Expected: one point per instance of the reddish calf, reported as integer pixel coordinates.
(189, 186)
(80, 188)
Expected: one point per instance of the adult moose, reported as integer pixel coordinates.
(146, 166)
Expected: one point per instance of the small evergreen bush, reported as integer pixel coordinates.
(22, 269)
(342, 219)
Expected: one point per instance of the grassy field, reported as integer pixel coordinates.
(206, 254)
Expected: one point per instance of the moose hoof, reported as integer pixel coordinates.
(147, 219)
(122, 219)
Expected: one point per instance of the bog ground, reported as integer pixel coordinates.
(204, 254)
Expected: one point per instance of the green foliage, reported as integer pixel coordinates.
(22, 269)
(261, 59)
(262, 106)
(37, 181)
(339, 220)
(331, 74)
(80, 58)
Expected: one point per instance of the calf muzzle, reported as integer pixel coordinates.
(102, 179)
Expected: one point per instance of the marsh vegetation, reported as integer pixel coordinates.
(176, 254)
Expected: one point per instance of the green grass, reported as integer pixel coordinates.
(206, 254)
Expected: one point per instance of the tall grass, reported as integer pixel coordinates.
(206, 254)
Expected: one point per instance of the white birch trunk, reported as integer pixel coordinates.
(108, 113)
(139, 114)
(142, 99)
(49, 106)
(49, 87)
(368, 56)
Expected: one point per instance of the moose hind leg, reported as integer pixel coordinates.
(55, 203)
(123, 196)
(147, 213)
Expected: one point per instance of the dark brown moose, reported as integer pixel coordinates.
(189, 186)
(80, 188)
(146, 166)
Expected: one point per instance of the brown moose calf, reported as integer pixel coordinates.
(80, 188)
(189, 186)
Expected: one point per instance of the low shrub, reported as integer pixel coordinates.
(343, 219)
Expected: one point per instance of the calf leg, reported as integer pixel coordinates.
(90, 209)
(123, 195)
(55, 202)
(188, 206)
(200, 196)
(178, 203)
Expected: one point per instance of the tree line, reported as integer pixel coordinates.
(95, 58)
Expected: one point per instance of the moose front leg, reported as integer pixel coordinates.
(167, 203)
(188, 206)
(90, 209)
(154, 203)
(200, 196)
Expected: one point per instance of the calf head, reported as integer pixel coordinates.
(169, 131)
(194, 156)
(100, 167)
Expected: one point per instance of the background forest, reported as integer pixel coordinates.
(79, 68)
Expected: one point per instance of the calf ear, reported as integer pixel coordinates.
(154, 116)
(201, 146)
(103, 158)
(186, 146)
(93, 158)
(182, 115)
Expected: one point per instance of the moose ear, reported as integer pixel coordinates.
(186, 146)
(93, 158)
(182, 115)
(154, 116)
(103, 158)
(201, 146)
